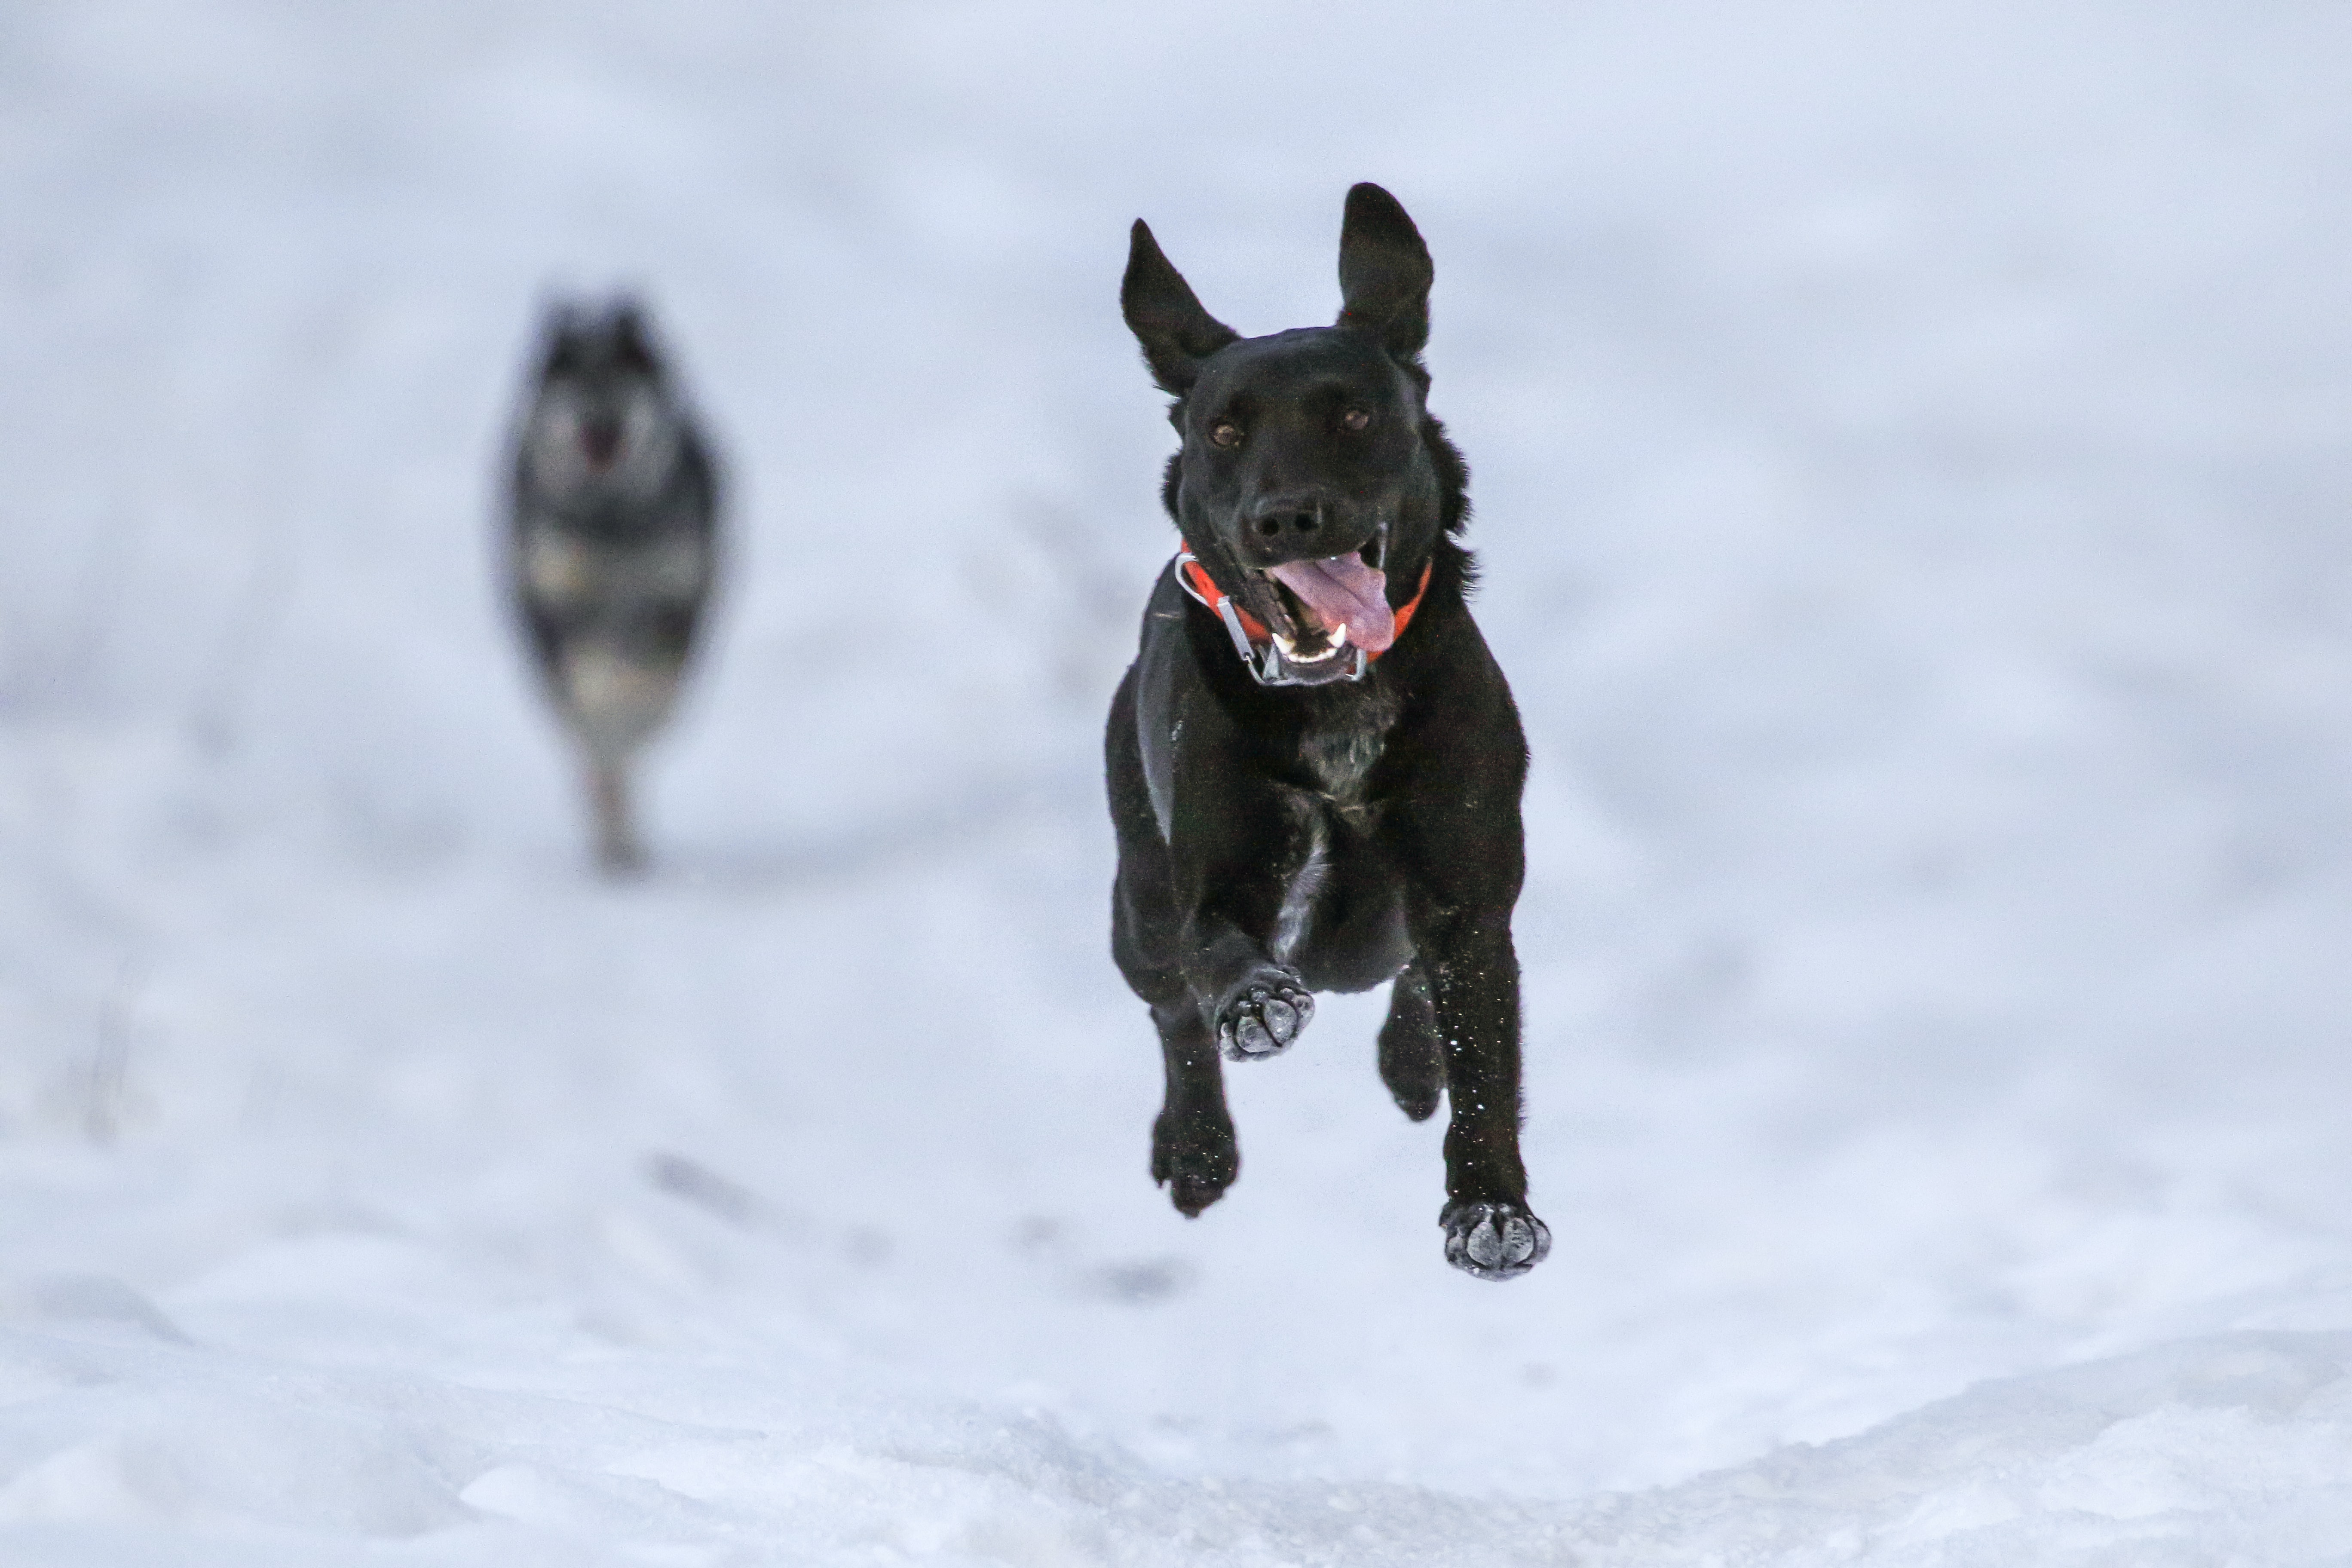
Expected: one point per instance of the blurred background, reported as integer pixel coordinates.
(1910, 452)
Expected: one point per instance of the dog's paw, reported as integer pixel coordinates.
(1493, 1241)
(1264, 1016)
(1196, 1158)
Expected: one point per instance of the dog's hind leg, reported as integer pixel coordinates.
(1412, 1059)
(618, 851)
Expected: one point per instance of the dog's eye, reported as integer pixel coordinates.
(1225, 433)
(1356, 419)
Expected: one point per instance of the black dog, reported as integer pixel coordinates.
(1315, 763)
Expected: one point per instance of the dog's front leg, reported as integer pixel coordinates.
(1193, 1154)
(1234, 866)
(1254, 1006)
(1474, 979)
(1460, 852)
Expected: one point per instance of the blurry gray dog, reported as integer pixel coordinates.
(613, 550)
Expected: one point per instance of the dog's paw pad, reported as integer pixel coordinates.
(1493, 1241)
(1263, 1019)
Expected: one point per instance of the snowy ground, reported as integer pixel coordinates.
(1912, 459)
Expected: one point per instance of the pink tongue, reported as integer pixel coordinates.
(1342, 591)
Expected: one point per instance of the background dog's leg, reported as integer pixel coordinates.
(1413, 1062)
(1193, 1154)
(618, 853)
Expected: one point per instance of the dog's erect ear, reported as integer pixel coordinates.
(1165, 315)
(632, 344)
(561, 323)
(1384, 272)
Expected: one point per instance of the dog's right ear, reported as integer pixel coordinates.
(1165, 316)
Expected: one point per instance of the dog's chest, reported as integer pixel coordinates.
(1341, 764)
(562, 569)
(1339, 758)
(1339, 754)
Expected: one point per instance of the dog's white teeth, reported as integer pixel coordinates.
(1290, 649)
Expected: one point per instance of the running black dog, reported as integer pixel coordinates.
(1315, 763)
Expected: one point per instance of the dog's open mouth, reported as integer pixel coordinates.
(600, 442)
(1337, 602)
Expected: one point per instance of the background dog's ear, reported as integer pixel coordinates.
(1165, 315)
(633, 340)
(561, 323)
(1384, 272)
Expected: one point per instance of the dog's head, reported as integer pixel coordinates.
(602, 416)
(1305, 482)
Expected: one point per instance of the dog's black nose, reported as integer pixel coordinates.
(1287, 525)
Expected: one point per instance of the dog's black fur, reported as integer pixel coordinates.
(1278, 840)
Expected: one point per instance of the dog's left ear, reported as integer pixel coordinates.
(633, 342)
(1384, 272)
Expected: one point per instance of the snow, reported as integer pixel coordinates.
(1911, 448)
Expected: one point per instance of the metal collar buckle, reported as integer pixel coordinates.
(1267, 664)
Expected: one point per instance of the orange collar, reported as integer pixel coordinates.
(1196, 579)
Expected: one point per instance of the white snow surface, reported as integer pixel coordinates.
(1912, 449)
